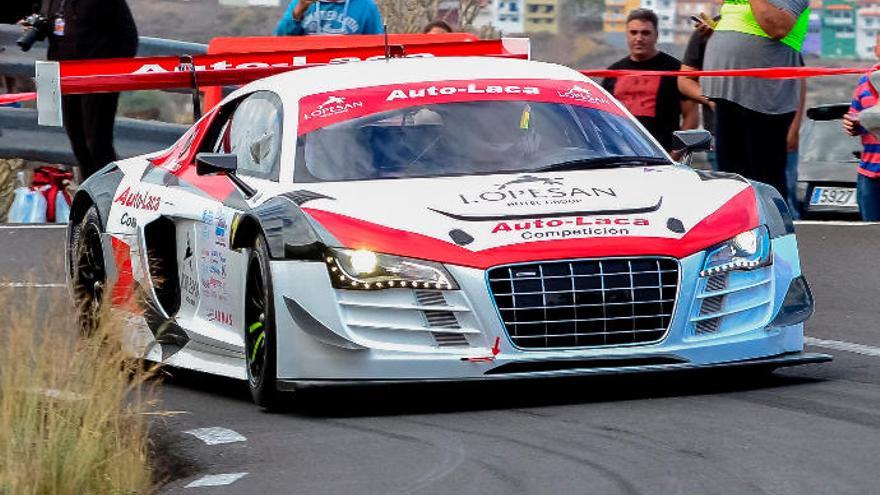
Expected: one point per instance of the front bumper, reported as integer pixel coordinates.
(337, 336)
(771, 362)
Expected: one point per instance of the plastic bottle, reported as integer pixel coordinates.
(37, 211)
(62, 209)
(20, 203)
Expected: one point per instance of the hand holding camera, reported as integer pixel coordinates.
(36, 28)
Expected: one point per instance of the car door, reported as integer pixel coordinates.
(210, 271)
(197, 278)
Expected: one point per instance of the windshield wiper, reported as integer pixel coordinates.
(606, 162)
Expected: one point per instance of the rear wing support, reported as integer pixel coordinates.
(48, 81)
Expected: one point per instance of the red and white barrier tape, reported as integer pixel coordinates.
(128, 82)
(11, 98)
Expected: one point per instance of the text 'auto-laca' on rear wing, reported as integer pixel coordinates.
(231, 67)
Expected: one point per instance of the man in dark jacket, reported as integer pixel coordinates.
(87, 29)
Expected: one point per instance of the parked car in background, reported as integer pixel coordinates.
(827, 163)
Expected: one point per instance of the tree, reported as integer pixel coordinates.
(410, 16)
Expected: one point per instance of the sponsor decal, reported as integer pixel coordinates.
(190, 289)
(188, 282)
(580, 93)
(207, 224)
(540, 192)
(222, 317)
(333, 105)
(579, 226)
(213, 274)
(586, 232)
(470, 89)
(540, 223)
(128, 221)
(139, 200)
(220, 228)
(531, 179)
(295, 61)
(324, 109)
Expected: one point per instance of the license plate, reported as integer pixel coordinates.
(833, 196)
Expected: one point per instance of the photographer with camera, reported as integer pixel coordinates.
(77, 30)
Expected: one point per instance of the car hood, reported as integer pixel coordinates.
(487, 220)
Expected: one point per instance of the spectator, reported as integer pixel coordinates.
(753, 116)
(87, 29)
(690, 85)
(868, 181)
(437, 27)
(330, 17)
(655, 101)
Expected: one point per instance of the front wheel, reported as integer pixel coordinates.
(87, 270)
(259, 330)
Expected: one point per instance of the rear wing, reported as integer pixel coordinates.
(264, 57)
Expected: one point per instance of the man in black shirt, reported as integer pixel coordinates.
(86, 29)
(654, 101)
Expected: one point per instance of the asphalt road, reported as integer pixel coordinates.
(808, 430)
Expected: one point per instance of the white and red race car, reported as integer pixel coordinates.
(436, 219)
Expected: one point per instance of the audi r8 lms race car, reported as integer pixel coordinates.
(436, 219)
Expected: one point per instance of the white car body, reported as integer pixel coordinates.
(667, 216)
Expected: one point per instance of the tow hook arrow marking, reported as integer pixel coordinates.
(495, 350)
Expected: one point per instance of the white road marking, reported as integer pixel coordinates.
(216, 435)
(31, 285)
(216, 480)
(837, 345)
(11, 226)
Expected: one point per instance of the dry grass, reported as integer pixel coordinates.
(71, 409)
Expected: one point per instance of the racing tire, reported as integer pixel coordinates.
(259, 329)
(88, 274)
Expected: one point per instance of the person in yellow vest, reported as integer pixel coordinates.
(753, 116)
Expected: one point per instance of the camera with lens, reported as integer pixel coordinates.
(37, 27)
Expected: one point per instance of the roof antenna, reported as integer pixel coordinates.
(387, 47)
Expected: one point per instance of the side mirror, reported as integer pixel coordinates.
(689, 142)
(828, 112)
(223, 164)
(216, 163)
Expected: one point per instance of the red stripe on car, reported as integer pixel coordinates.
(739, 214)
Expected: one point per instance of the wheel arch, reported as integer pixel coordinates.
(288, 231)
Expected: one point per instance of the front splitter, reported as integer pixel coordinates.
(771, 362)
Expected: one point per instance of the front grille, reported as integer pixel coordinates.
(586, 303)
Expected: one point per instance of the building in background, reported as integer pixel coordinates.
(684, 9)
(867, 27)
(542, 16)
(813, 41)
(665, 10)
(614, 20)
(509, 16)
(838, 29)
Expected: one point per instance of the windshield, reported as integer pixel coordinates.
(471, 137)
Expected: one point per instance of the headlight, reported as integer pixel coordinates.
(363, 269)
(746, 251)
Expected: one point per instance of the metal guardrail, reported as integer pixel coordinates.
(21, 137)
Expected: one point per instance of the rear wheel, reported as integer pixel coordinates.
(88, 272)
(259, 331)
